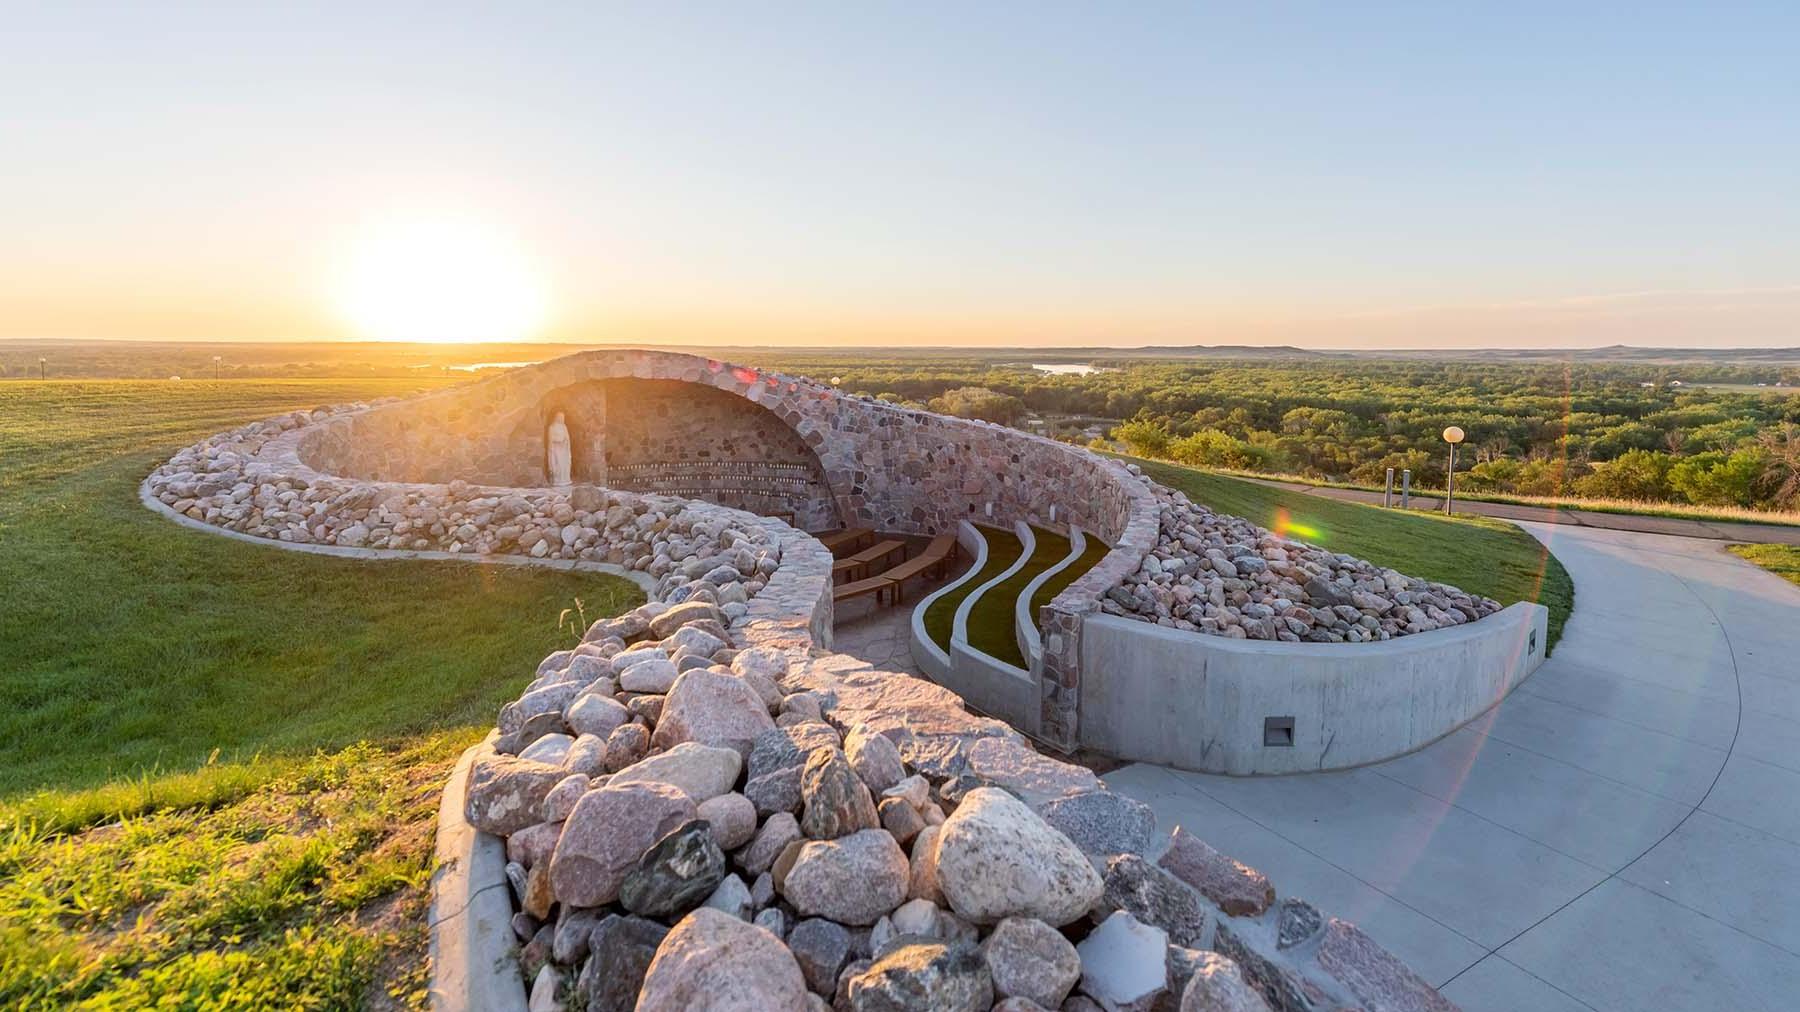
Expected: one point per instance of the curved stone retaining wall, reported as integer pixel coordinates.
(688, 799)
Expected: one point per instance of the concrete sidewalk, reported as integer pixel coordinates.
(1775, 534)
(1622, 832)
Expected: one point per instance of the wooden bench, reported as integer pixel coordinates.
(873, 585)
(861, 561)
(935, 558)
(848, 540)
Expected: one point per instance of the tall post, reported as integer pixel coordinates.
(1387, 494)
(43, 368)
(1406, 489)
(1452, 435)
(1450, 484)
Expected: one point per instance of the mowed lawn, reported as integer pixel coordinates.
(222, 759)
(1782, 560)
(1478, 554)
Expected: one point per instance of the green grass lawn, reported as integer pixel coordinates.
(991, 626)
(1091, 555)
(1782, 560)
(1478, 554)
(1003, 550)
(149, 673)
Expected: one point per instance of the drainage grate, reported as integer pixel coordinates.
(1278, 732)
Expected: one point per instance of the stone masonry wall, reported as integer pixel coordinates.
(702, 803)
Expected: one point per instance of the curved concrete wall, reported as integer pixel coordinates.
(1200, 702)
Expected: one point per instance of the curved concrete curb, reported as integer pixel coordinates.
(474, 954)
(959, 628)
(643, 580)
(1031, 644)
(931, 658)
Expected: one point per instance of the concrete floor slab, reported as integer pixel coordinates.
(1495, 985)
(1532, 795)
(1760, 795)
(1706, 718)
(1731, 873)
(1433, 950)
(1625, 948)
(1620, 831)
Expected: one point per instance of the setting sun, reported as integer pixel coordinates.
(443, 282)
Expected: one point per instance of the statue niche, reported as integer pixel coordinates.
(559, 454)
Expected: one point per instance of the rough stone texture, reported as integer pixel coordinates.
(874, 758)
(1235, 887)
(506, 793)
(675, 875)
(1373, 975)
(1027, 773)
(1281, 986)
(1154, 897)
(835, 802)
(1124, 964)
(606, 834)
(997, 859)
(713, 962)
(386, 477)
(1297, 922)
(776, 833)
(1217, 985)
(1225, 576)
(732, 817)
(1102, 823)
(854, 879)
(1030, 959)
(821, 947)
(622, 948)
(925, 975)
(702, 772)
(712, 709)
(732, 897)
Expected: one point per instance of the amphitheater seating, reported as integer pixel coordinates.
(846, 540)
(863, 560)
(933, 560)
(873, 585)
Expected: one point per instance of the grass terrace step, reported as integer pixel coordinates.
(1003, 550)
(991, 628)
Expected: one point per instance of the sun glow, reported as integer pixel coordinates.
(441, 282)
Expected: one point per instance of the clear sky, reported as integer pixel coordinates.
(1329, 175)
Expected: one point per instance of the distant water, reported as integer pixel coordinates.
(493, 365)
(1060, 369)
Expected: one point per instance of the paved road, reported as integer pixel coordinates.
(1675, 526)
(1622, 832)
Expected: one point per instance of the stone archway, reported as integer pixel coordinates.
(685, 439)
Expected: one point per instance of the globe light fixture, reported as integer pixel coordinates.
(1453, 435)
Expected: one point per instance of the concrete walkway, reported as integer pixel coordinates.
(1773, 534)
(1622, 832)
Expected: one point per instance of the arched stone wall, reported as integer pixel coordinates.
(884, 466)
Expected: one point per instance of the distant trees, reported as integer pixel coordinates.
(1533, 428)
(979, 402)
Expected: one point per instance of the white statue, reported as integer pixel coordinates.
(560, 457)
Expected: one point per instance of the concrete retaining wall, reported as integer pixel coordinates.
(1199, 702)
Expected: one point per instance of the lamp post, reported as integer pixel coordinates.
(218, 360)
(43, 368)
(1452, 435)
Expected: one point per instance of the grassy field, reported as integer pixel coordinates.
(174, 690)
(1782, 560)
(1478, 554)
(1589, 504)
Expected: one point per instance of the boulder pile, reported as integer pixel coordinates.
(1225, 576)
(680, 543)
(690, 824)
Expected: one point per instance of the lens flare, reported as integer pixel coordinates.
(1287, 527)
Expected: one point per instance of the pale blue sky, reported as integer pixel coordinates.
(1318, 174)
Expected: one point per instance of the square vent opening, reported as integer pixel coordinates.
(1278, 732)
